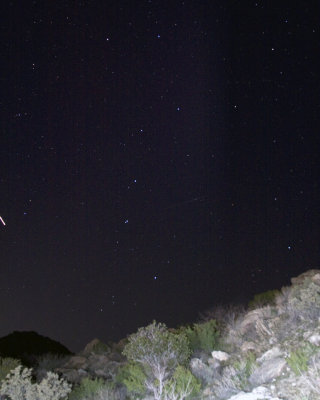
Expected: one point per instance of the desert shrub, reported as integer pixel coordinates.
(311, 378)
(235, 377)
(18, 386)
(107, 393)
(7, 364)
(303, 304)
(227, 384)
(87, 388)
(48, 362)
(202, 336)
(182, 385)
(298, 362)
(245, 368)
(52, 388)
(223, 313)
(204, 372)
(298, 359)
(158, 351)
(263, 299)
(132, 376)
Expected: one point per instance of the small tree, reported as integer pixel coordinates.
(159, 352)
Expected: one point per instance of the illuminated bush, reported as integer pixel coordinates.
(182, 385)
(158, 352)
(18, 386)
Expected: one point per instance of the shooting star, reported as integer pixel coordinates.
(1, 219)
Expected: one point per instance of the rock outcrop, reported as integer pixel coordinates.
(275, 350)
(97, 360)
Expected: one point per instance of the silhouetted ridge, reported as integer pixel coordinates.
(25, 345)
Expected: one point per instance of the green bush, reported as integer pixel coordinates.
(132, 376)
(298, 359)
(7, 365)
(244, 368)
(87, 388)
(202, 336)
(263, 299)
(182, 384)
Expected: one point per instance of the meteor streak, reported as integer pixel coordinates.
(2, 220)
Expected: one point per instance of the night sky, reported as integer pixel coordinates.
(157, 158)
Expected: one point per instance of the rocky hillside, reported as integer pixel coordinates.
(270, 351)
(267, 352)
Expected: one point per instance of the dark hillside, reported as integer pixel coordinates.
(26, 345)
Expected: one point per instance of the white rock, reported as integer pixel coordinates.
(314, 339)
(259, 393)
(268, 355)
(220, 355)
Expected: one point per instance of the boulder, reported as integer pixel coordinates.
(76, 362)
(249, 320)
(270, 354)
(267, 371)
(314, 339)
(72, 375)
(93, 361)
(311, 273)
(316, 279)
(259, 393)
(96, 346)
(201, 370)
(220, 356)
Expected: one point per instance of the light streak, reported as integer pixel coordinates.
(2, 220)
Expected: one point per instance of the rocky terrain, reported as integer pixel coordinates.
(269, 351)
